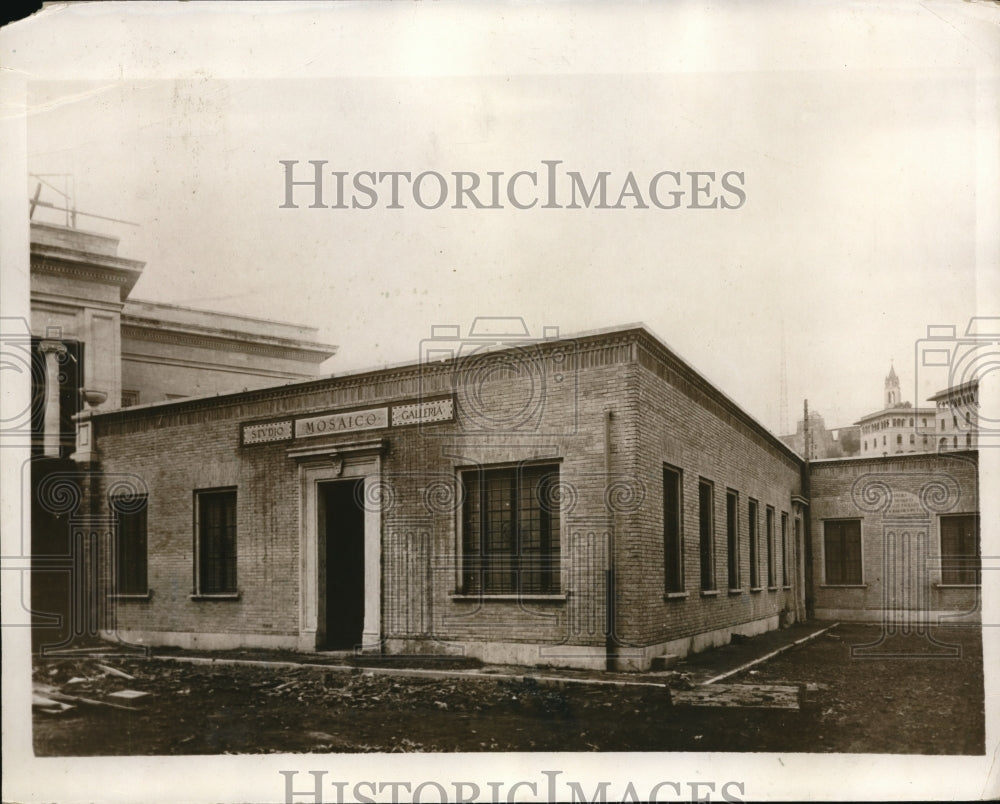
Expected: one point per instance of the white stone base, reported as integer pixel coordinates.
(882, 616)
(640, 659)
(584, 657)
(200, 641)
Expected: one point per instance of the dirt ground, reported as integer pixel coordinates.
(919, 697)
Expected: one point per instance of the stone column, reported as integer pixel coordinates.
(52, 350)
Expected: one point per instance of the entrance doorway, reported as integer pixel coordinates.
(342, 535)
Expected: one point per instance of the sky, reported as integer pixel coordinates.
(861, 168)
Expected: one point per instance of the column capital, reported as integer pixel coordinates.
(55, 347)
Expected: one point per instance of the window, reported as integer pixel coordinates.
(911, 438)
(130, 561)
(960, 549)
(733, 538)
(842, 551)
(216, 549)
(769, 524)
(784, 549)
(510, 535)
(129, 398)
(673, 545)
(754, 536)
(899, 438)
(706, 533)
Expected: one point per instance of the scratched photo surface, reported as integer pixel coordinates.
(499, 403)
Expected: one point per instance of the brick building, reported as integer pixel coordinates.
(589, 501)
(896, 538)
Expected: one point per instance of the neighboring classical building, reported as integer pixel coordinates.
(121, 351)
(956, 424)
(898, 428)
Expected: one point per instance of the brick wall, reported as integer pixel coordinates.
(681, 422)
(899, 501)
(610, 410)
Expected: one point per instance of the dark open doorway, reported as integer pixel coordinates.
(342, 530)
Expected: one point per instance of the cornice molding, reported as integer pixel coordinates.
(139, 330)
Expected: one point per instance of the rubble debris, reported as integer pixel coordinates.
(128, 695)
(114, 671)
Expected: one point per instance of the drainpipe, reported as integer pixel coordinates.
(806, 517)
(610, 645)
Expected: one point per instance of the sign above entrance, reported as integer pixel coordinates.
(349, 422)
(437, 410)
(267, 432)
(424, 411)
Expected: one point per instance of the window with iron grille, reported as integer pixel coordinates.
(130, 564)
(673, 542)
(754, 545)
(706, 531)
(842, 551)
(510, 531)
(960, 549)
(733, 537)
(769, 521)
(216, 547)
(784, 549)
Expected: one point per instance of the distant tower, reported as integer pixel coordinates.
(892, 397)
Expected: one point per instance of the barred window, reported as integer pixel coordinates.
(510, 533)
(673, 543)
(960, 549)
(706, 530)
(130, 545)
(733, 537)
(769, 521)
(216, 549)
(842, 551)
(754, 544)
(784, 548)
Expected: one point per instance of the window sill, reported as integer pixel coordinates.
(709, 592)
(787, 587)
(224, 596)
(843, 586)
(137, 596)
(772, 589)
(676, 596)
(957, 585)
(460, 598)
(735, 591)
(756, 588)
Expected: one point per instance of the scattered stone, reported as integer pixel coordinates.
(114, 671)
(128, 695)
